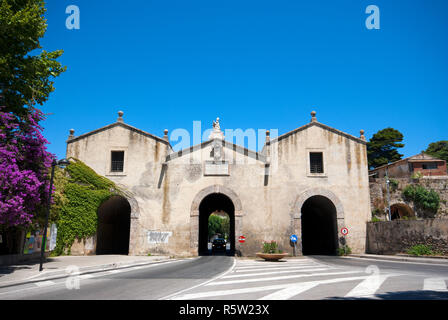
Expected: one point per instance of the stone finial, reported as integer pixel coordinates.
(120, 116)
(216, 133)
(165, 134)
(313, 116)
(72, 134)
(362, 135)
(268, 136)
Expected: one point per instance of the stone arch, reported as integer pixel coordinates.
(194, 214)
(400, 210)
(296, 214)
(216, 189)
(300, 200)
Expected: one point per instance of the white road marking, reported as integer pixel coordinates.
(273, 268)
(282, 277)
(368, 287)
(435, 284)
(290, 291)
(169, 297)
(298, 269)
(45, 283)
(274, 264)
(200, 295)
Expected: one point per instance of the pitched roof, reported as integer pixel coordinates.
(320, 125)
(239, 149)
(118, 124)
(421, 157)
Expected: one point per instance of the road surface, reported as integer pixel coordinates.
(229, 278)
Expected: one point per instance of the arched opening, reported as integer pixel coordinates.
(319, 226)
(114, 224)
(401, 211)
(213, 204)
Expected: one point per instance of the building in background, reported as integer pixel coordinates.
(427, 165)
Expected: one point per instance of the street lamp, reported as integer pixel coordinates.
(388, 193)
(61, 163)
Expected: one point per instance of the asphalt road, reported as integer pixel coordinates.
(223, 277)
(149, 282)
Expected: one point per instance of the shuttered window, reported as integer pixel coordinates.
(316, 162)
(117, 164)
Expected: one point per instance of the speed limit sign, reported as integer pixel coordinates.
(344, 231)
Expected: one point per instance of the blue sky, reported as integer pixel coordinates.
(255, 64)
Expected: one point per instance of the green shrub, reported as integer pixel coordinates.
(420, 250)
(417, 175)
(344, 250)
(375, 219)
(393, 184)
(271, 247)
(423, 198)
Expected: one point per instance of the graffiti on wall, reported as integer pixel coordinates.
(156, 237)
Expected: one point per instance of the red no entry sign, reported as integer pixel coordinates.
(241, 239)
(344, 231)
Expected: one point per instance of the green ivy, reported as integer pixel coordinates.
(422, 197)
(82, 191)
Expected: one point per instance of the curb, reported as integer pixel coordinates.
(401, 258)
(87, 270)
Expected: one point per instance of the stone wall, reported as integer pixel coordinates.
(391, 237)
(378, 195)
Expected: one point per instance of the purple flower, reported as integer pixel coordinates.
(24, 168)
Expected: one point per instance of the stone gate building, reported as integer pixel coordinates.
(311, 181)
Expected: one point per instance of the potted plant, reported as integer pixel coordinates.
(271, 252)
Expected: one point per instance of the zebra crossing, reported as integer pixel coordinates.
(300, 278)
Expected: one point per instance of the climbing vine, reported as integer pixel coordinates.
(81, 192)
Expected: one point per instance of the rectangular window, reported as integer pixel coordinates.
(117, 163)
(316, 162)
(430, 165)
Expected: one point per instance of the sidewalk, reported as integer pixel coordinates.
(402, 257)
(56, 267)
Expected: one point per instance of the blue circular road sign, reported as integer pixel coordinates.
(293, 238)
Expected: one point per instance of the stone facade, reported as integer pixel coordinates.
(379, 202)
(165, 188)
(391, 237)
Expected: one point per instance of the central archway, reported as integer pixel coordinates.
(219, 200)
(319, 226)
(210, 204)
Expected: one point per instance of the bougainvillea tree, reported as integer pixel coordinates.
(24, 168)
(27, 72)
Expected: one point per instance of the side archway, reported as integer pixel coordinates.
(401, 211)
(113, 230)
(314, 206)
